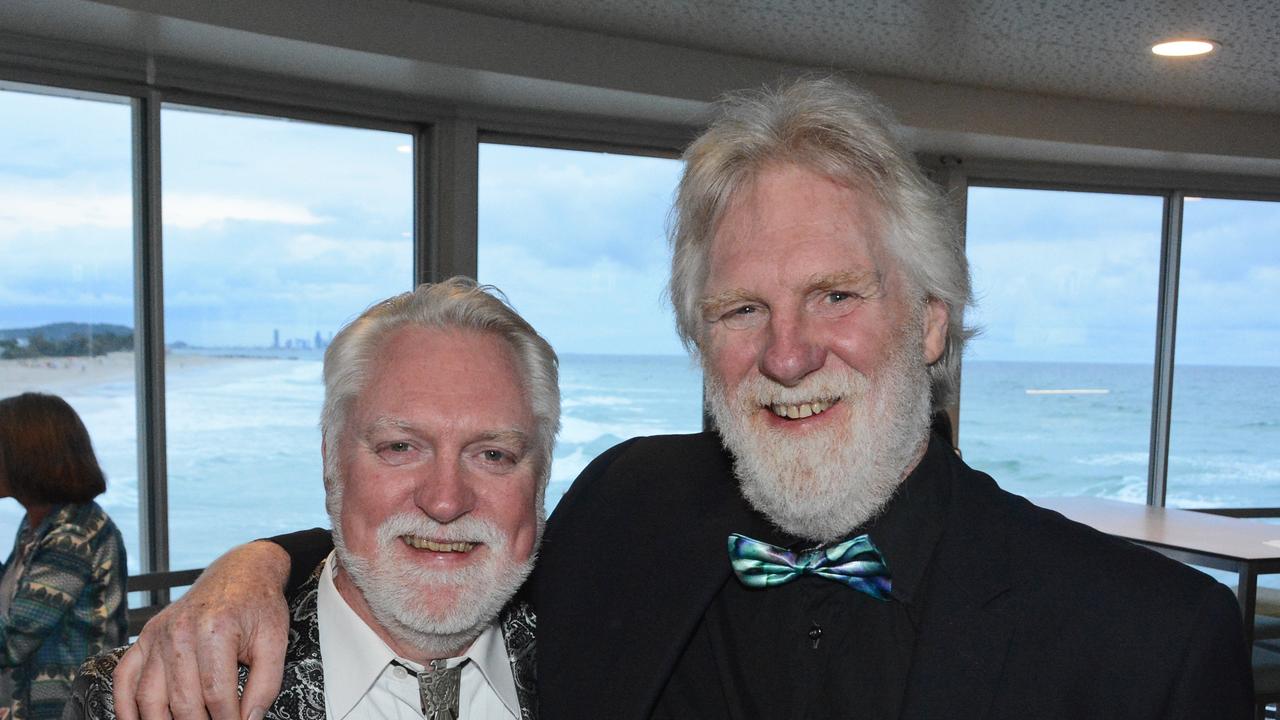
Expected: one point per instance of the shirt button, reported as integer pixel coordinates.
(399, 672)
(815, 634)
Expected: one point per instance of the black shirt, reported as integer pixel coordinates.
(815, 648)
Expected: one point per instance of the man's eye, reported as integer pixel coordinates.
(494, 455)
(397, 452)
(833, 303)
(743, 317)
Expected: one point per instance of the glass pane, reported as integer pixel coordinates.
(275, 233)
(66, 279)
(1056, 394)
(575, 240)
(1224, 444)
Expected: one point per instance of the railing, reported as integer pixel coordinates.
(158, 584)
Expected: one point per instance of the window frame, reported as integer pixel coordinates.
(446, 138)
(1173, 188)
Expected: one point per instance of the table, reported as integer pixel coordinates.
(1247, 547)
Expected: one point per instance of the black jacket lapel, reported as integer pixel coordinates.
(968, 619)
(646, 589)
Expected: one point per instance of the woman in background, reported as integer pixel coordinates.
(62, 593)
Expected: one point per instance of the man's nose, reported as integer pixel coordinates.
(445, 494)
(791, 350)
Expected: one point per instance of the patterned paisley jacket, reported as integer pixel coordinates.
(302, 690)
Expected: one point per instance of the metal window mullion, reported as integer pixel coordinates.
(453, 205)
(153, 511)
(423, 253)
(1166, 329)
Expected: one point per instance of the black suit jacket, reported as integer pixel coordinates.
(1025, 614)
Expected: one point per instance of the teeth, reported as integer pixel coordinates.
(803, 410)
(420, 543)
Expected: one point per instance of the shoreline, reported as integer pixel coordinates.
(73, 375)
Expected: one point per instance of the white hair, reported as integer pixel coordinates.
(841, 132)
(455, 304)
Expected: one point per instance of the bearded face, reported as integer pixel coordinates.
(436, 610)
(823, 483)
(433, 486)
(815, 347)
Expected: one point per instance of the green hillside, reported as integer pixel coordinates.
(65, 339)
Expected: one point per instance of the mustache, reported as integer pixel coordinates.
(464, 529)
(827, 384)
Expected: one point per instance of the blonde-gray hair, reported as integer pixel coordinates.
(837, 130)
(455, 304)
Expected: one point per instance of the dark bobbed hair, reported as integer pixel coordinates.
(45, 452)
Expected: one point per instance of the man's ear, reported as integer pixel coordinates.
(935, 330)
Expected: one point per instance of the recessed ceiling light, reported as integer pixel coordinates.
(1184, 48)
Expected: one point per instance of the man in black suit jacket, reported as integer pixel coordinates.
(818, 278)
(1012, 610)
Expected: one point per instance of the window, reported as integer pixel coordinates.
(66, 279)
(1224, 441)
(575, 240)
(275, 234)
(1057, 390)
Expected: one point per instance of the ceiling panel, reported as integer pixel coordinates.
(1088, 49)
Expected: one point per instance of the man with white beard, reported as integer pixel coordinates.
(441, 409)
(869, 572)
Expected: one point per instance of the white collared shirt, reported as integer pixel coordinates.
(360, 683)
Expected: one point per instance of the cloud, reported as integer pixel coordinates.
(44, 210)
(576, 207)
(193, 210)
(40, 210)
(604, 307)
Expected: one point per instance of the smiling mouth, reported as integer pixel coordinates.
(803, 410)
(422, 543)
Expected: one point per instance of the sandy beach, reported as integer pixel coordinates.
(70, 375)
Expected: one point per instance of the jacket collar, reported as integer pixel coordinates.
(302, 689)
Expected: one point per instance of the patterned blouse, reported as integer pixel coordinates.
(68, 603)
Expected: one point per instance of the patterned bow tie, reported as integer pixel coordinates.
(856, 563)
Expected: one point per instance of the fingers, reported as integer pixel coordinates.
(140, 689)
(153, 691)
(124, 681)
(265, 657)
(184, 665)
(177, 661)
(220, 639)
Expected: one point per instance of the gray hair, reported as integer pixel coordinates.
(832, 128)
(455, 304)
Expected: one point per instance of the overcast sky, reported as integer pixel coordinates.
(298, 227)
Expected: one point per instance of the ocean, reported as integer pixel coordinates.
(244, 446)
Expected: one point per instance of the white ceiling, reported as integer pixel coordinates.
(1097, 49)
(994, 80)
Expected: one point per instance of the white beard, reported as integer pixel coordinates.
(821, 485)
(405, 598)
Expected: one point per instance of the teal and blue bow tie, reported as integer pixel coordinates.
(856, 563)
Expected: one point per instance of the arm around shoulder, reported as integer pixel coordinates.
(186, 660)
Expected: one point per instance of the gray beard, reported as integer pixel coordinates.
(401, 596)
(822, 485)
